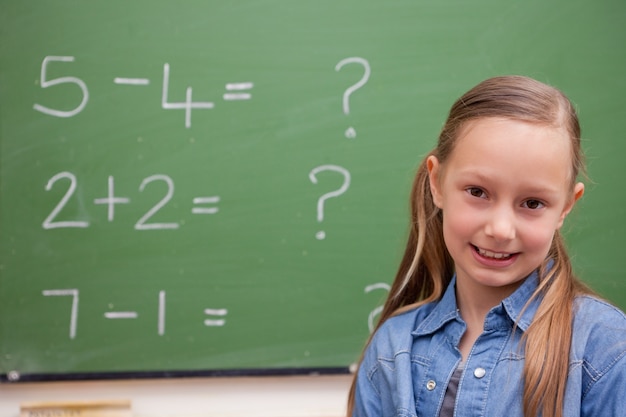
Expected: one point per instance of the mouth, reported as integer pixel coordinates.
(498, 256)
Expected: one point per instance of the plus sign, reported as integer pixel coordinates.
(111, 200)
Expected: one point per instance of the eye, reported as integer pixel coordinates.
(476, 192)
(533, 204)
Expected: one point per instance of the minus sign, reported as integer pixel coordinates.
(131, 81)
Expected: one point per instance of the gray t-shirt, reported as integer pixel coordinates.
(447, 408)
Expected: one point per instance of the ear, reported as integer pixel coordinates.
(433, 166)
(579, 191)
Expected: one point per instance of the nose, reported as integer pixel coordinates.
(501, 224)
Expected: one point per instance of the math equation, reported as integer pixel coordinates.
(215, 317)
(235, 91)
(202, 205)
(66, 185)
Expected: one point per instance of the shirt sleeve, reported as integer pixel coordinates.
(367, 400)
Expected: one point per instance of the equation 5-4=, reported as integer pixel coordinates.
(235, 91)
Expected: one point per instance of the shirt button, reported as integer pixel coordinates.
(479, 372)
(430, 385)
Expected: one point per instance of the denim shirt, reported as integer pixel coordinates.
(408, 364)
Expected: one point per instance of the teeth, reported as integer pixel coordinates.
(489, 254)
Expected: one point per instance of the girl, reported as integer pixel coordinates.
(485, 316)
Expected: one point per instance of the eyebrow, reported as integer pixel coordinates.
(528, 188)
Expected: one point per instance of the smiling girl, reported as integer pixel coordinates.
(485, 316)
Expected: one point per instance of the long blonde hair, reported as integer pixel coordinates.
(427, 268)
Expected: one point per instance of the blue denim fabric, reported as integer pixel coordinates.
(407, 366)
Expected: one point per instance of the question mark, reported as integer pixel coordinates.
(320, 202)
(350, 132)
(375, 312)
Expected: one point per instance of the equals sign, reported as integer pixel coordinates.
(205, 200)
(239, 95)
(219, 312)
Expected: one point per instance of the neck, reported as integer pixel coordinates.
(474, 300)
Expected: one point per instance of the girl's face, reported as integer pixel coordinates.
(504, 191)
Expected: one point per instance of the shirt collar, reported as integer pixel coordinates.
(517, 306)
(442, 312)
(514, 307)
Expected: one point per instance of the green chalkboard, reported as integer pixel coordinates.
(209, 186)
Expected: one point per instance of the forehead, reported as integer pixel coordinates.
(510, 149)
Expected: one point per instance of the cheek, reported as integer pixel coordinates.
(537, 237)
(459, 225)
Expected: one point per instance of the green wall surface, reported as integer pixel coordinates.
(207, 186)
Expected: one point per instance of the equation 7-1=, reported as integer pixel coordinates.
(215, 317)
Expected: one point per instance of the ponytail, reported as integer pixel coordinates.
(426, 267)
(548, 339)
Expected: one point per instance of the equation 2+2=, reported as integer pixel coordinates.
(215, 316)
(202, 205)
(235, 91)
